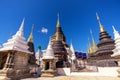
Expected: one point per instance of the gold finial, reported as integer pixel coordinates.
(30, 39)
(101, 26)
(58, 21)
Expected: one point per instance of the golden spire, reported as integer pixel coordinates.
(93, 41)
(57, 33)
(94, 46)
(89, 47)
(58, 21)
(30, 39)
(101, 26)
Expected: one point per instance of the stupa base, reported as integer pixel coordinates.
(48, 73)
(14, 74)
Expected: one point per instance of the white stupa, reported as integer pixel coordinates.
(17, 42)
(49, 54)
(69, 54)
(72, 52)
(116, 51)
(38, 56)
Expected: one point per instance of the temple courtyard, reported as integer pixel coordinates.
(74, 78)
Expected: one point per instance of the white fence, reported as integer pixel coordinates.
(102, 71)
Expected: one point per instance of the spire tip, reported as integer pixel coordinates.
(90, 31)
(100, 25)
(58, 15)
(58, 21)
(114, 28)
(32, 28)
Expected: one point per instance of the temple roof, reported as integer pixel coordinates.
(17, 42)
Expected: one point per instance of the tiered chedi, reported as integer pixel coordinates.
(59, 46)
(14, 56)
(105, 47)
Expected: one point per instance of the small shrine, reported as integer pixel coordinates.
(48, 62)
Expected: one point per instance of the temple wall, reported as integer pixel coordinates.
(102, 71)
(18, 68)
(21, 60)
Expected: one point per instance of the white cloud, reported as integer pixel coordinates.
(44, 30)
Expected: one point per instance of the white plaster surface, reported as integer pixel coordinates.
(102, 71)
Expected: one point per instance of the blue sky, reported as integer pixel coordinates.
(77, 17)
